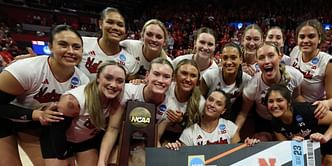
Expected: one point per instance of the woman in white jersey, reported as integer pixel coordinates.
(153, 38)
(211, 127)
(315, 65)
(159, 78)
(251, 40)
(184, 102)
(229, 77)
(272, 72)
(275, 34)
(86, 110)
(204, 47)
(96, 50)
(34, 83)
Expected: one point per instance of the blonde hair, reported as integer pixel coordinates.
(285, 77)
(93, 103)
(192, 109)
(163, 28)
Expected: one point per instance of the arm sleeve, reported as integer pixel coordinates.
(11, 111)
(58, 139)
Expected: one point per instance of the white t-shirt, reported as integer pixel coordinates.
(214, 81)
(256, 89)
(285, 60)
(135, 92)
(190, 56)
(314, 74)
(135, 48)
(222, 134)
(93, 55)
(81, 129)
(40, 85)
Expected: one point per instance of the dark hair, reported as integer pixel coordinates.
(276, 27)
(59, 28)
(282, 89)
(115, 10)
(205, 30)
(238, 79)
(253, 26)
(316, 25)
(228, 104)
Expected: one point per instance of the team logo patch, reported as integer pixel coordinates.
(122, 57)
(162, 108)
(299, 118)
(257, 67)
(75, 81)
(315, 60)
(222, 127)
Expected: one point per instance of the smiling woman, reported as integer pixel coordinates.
(97, 50)
(272, 72)
(204, 47)
(35, 92)
(85, 110)
(150, 47)
(231, 79)
(293, 120)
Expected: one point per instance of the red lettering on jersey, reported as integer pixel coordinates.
(43, 97)
(220, 141)
(306, 75)
(92, 53)
(45, 81)
(92, 67)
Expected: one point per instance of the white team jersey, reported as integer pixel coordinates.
(255, 66)
(175, 105)
(81, 128)
(135, 92)
(40, 85)
(190, 56)
(314, 74)
(285, 60)
(222, 134)
(214, 81)
(93, 55)
(135, 48)
(256, 89)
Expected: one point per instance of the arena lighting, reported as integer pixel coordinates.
(327, 26)
(40, 47)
